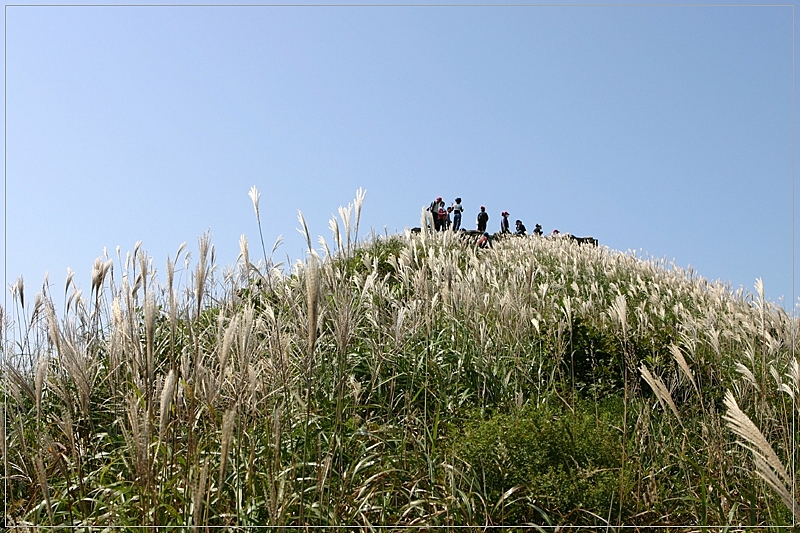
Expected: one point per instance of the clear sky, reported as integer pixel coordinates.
(665, 129)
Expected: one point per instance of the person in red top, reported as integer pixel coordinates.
(442, 216)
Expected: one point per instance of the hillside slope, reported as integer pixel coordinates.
(408, 380)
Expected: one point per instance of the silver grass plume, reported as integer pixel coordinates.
(768, 465)
(42, 478)
(150, 323)
(244, 253)
(312, 298)
(197, 497)
(200, 277)
(747, 374)
(254, 196)
(359, 201)
(70, 276)
(619, 313)
(305, 233)
(165, 402)
(345, 214)
(333, 224)
(661, 391)
(52, 325)
(173, 311)
(227, 341)
(18, 289)
(228, 420)
(41, 374)
(678, 356)
(324, 244)
(98, 274)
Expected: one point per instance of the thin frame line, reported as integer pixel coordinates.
(794, 305)
(3, 328)
(401, 5)
(5, 259)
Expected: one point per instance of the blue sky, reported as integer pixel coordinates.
(665, 129)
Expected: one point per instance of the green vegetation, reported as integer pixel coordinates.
(408, 380)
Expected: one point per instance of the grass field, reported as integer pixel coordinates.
(407, 380)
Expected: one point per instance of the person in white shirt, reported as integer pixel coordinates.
(457, 210)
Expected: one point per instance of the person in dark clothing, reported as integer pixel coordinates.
(483, 219)
(538, 230)
(504, 222)
(457, 209)
(434, 211)
(520, 227)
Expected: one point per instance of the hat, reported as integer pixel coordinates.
(438, 198)
(483, 207)
(505, 213)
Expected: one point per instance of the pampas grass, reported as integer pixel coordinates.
(342, 391)
(768, 465)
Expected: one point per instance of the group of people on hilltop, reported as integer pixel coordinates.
(447, 218)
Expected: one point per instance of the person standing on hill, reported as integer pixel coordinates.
(483, 219)
(457, 209)
(504, 222)
(442, 216)
(434, 211)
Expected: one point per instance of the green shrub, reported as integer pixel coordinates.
(565, 463)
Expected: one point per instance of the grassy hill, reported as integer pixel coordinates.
(409, 380)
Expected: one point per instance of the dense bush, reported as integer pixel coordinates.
(557, 464)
